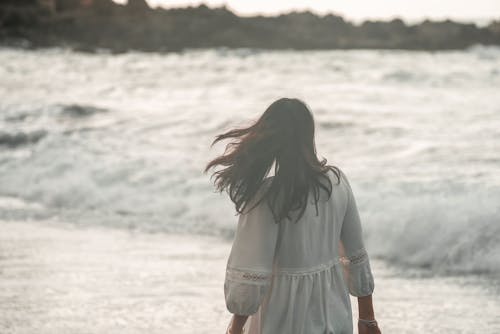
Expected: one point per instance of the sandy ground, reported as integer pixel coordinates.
(56, 278)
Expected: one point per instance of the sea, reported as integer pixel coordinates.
(109, 224)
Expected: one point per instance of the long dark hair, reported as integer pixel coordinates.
(283, 135)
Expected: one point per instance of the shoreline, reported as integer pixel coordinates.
(23, 45)
(56, 277)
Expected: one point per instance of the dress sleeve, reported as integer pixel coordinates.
(249, 267)
(356, 261)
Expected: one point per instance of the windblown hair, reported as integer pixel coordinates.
(283, 136)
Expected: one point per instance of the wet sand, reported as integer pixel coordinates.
(57, 278)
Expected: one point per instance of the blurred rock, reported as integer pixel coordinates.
(137, 6)
(494, 27)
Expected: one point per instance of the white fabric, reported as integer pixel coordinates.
(290, 277)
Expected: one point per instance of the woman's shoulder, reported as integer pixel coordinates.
(338, 177)
(258, 201)
(335, 174)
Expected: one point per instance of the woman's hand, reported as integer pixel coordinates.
(230, 331)
(367, 329)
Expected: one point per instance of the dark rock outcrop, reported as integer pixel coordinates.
(88, 25)
(137, 6)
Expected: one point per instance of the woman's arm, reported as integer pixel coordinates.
(250, 265)
(365, 308)
(357, 267)
(237, 323)
(365, 311)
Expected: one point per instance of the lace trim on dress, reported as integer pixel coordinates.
(359, 256)
(308, 271)
(246, 276)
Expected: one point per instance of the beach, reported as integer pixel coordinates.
(109, 225)
(58, 278)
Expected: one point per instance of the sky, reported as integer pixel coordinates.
(357, 10)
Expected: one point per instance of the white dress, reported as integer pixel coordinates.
(289, 277)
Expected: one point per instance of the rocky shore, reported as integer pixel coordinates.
(90, 25)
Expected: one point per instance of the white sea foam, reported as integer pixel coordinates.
(121, 140)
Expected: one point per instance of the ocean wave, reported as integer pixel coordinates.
(29, 114)
(445, 232)
(16, 139)
(401, 75)
(445, 228)
(335, 124)
(485, 52)
(77, 110)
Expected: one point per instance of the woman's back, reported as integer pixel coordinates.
(289, 276)
(314, 239)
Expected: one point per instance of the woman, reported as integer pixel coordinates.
(298, 250)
